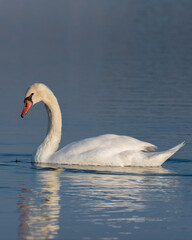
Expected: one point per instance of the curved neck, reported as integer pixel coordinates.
(51, 142)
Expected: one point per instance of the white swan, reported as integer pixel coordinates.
(104, 150)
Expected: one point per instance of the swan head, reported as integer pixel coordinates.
(36, 93)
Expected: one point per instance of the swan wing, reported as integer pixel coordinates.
(108, 141)
(99, 149)
(104, 156)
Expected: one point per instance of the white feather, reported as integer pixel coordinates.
(104, 150)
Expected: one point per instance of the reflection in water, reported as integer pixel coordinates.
(95, 198)
(123, 189)
(115, 203)
(112, 197)
(39, 208)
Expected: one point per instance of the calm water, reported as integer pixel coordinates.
(120, 67)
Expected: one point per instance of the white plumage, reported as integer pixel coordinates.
(104, 150)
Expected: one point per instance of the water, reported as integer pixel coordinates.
(75, 202)
(120, 67)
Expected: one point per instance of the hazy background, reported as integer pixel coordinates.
(116, 66)
(119, 67)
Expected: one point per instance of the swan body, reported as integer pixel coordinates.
(104, 150)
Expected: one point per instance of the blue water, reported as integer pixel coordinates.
(120, 67)
(72, 202)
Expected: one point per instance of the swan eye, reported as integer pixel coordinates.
(29, 99)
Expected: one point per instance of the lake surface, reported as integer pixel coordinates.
(120, 67)
(73, 202)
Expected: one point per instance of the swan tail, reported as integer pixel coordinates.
(159, 158)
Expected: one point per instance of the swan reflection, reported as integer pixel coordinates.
(92, 197)
(113, 197)
(115, 189)
(39, 208)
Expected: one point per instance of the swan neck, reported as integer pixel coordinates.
(52, 140)
(54, 125)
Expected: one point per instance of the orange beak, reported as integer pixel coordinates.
(27, 106)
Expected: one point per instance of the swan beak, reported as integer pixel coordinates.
(27, 106)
